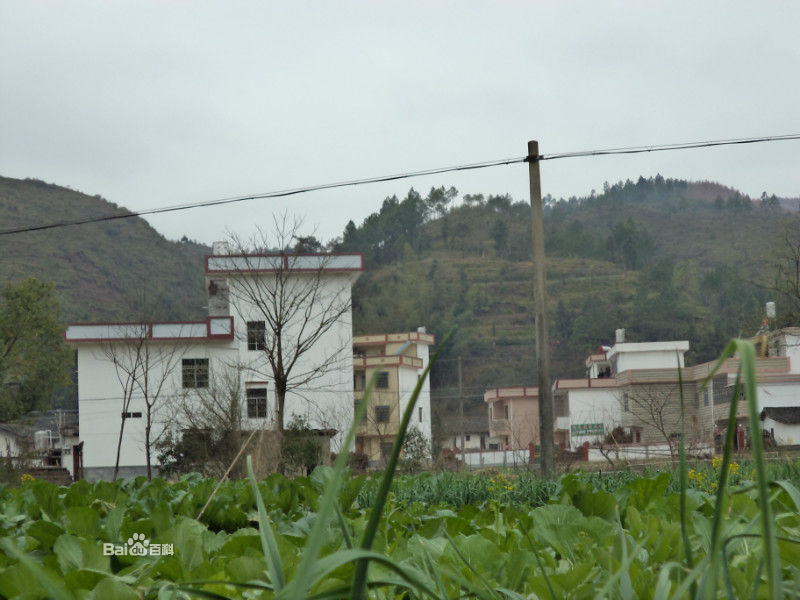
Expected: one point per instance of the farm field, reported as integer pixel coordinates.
(446, 535)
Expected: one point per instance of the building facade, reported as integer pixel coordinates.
(136, 379)
(397, 360)
(632, 395)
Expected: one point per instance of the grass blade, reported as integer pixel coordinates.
(268, 544)
(747, 356)
(360, 579)
(301, 581)
(687, 548)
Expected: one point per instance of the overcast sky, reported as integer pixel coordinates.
(160, 103)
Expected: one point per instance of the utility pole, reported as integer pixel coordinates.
(540, 314)
(461, 409)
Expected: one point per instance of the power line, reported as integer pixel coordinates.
(275, 194)
(406, 175)
(665, 147)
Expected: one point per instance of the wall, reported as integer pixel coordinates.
(325, 400)
(100, 396)
(664, 359)
(408, 378)
(593, 405)
(495, 458)
(785, 435)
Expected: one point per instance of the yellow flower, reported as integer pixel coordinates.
(26, 477)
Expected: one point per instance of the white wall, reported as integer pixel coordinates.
(324, 398)
(100, 400)
(495, 458)
(647, 360)
(407, 380)
(778, 394)
(785, 435)
(593, 405)
(792, 350)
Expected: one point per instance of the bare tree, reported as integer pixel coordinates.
(143, 368)
(656, 407)
(294, 306)
(213, 417)
(381, 419)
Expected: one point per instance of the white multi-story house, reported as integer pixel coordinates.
(124, 367)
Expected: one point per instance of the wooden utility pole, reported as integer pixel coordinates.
(540, 314)
(461, 409)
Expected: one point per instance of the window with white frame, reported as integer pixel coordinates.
(256, 335)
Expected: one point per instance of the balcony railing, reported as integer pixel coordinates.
(500, 425)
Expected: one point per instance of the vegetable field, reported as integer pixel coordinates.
(724, 530)
(444, 536)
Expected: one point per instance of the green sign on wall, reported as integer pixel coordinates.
(587, 429)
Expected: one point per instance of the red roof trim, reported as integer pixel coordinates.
(209, 336)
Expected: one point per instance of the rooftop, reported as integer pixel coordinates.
(624, 347)
(788, 415)
(393, 338)
(266, 263)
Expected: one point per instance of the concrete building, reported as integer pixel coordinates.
(477, 436)
(124, 366)
(399, 360)
(514, 417)
(46, 440)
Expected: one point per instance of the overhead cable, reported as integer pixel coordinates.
(406, 175)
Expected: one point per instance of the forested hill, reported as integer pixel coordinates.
(102, 271)
(665, 259)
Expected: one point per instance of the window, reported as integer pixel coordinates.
(561, 406)
(386, 449)
(466, 438)
(195, 372)
(131, 415)
(420, 414)
(625, 402)
(359, 380)
(705, 397)
(256, 335)
(257, 403)
(505, 411)
(383, 380)
(382, 414)
(494, 446)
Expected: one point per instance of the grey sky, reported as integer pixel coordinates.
(155, 103)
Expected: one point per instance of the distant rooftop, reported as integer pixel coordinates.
(379, 339)
(266, 263)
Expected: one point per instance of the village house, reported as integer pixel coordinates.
(631, 395)
(124, 367)
(398, 359)
(477, 436)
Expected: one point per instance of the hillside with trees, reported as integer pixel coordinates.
(111, 270)
(664, 259)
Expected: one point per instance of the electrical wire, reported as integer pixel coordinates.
(275, 194)
(664, 147)
(406, 175)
